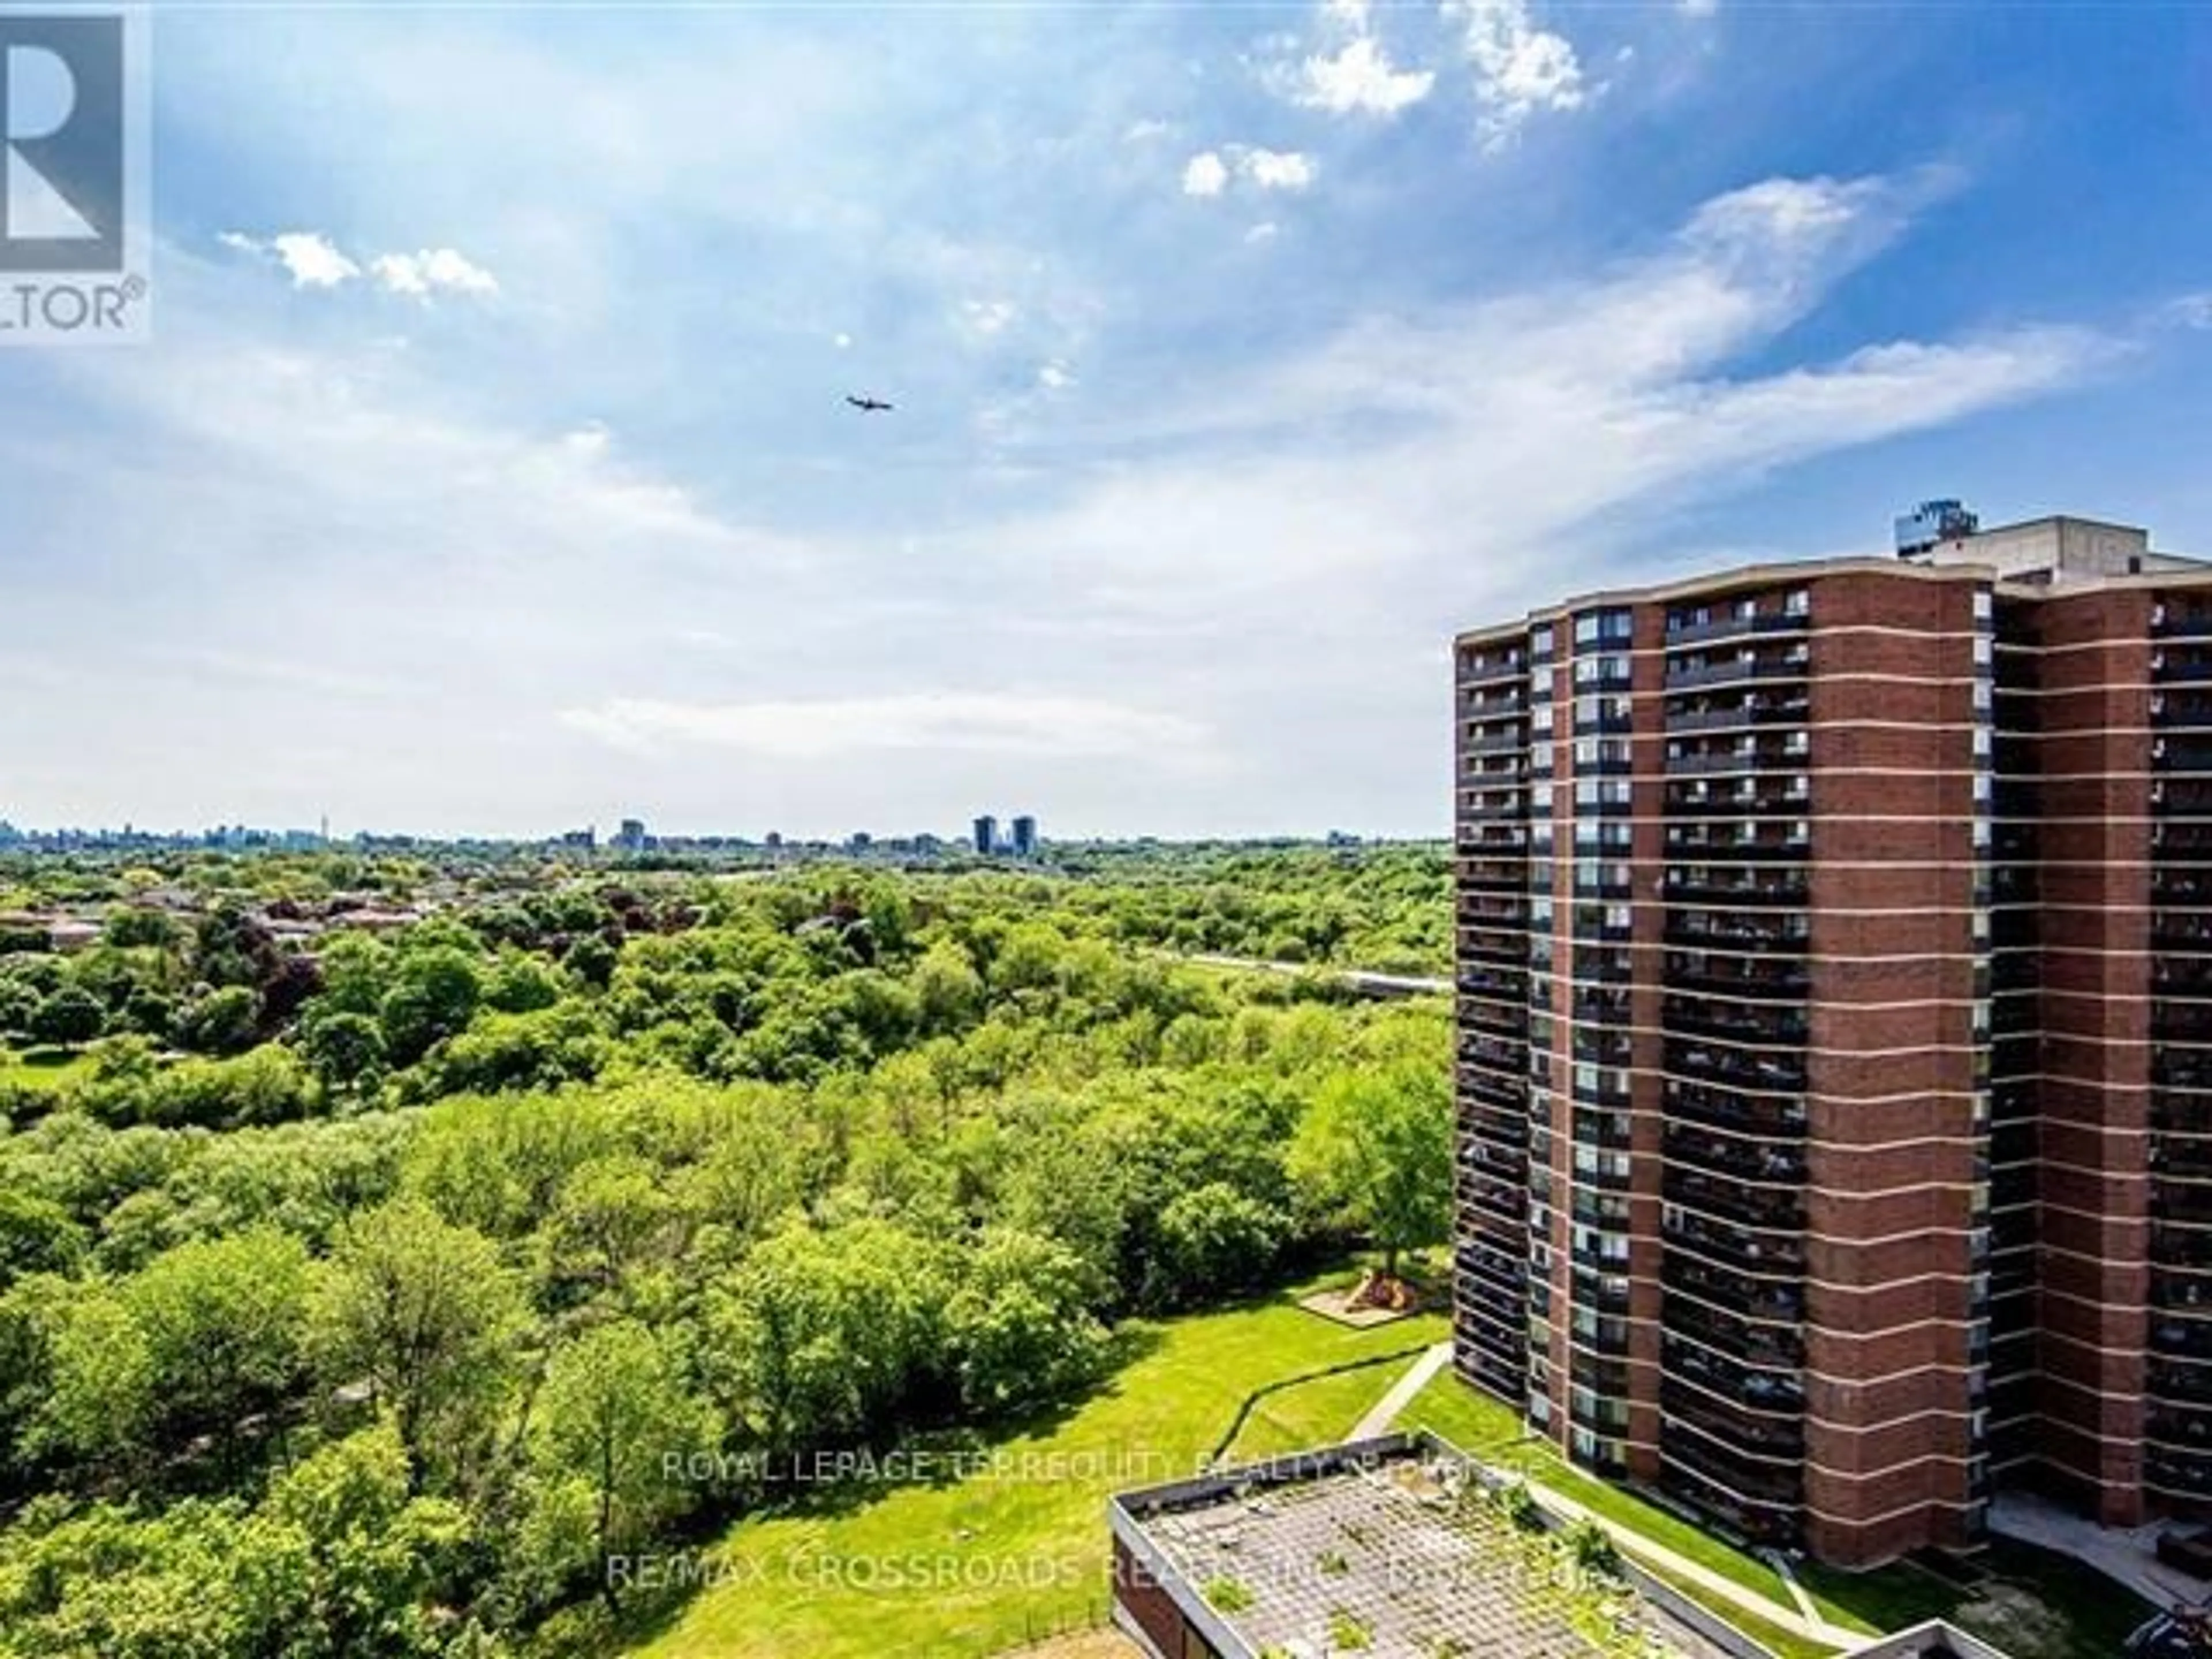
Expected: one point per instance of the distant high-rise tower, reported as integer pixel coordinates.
(1025, 837)
(631, 836)
(986, 835)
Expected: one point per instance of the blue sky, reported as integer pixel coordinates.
(489, 472)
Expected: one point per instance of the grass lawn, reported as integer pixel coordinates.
(981, 1564)
(1326, 1410)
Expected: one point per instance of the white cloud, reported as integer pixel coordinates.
(309, 257)
(1204, 174)
(1146, 130)
(1277, 170)
(1055, 376)
(1360, 79)
(1012, 722)
(842, 342)
(1699, 8)
(1211, 171)
(1265, 230)
(1520, 70)
(313, 260)
(433, 270)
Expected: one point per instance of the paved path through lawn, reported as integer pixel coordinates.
(1680, 1567)
(1418, 1377)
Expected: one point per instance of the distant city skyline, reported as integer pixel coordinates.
(492, 463)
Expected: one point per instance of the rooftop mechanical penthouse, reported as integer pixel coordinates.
(1835, 1032)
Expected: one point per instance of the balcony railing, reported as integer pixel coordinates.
(1793, 664)
(1739, 976)
(1741, 1156)
(1775, 1209)
(1737, 887)
(1776, 1072)
(2186, 1338)
(1776, 1302)
(1757, 1500)
(1772, 1346)
(2186, 1385)
(1766, 1026)
(1756, 1434)
(1771, 1254)
(1751, 710)
(1734, 627)
(1752, 1114)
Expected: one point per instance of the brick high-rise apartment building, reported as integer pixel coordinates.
(1835, 1032)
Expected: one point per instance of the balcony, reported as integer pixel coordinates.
(1778, 1209)
(1734, 887)
(2176, 1336)
(1771, 1256)
(2174, 1469)
(2182, 886)
(1741, 1387)
(2191, 840)
(1751, 710)
(2187, 1385)
(1717, 843)
(2180, 710)
(1748, 1114)
(1689, 760)
(1758, 1500)
(1494, 946)
(1775, 1346)
(1491, 742)
(1488, 666)
(2190, 1292)
(1739, 1156)
(1493, 1268)
(2181, 1247)
(1767, 1073)
(1733, 976)
(1741, 666)
(1771, 799)
(2174, 1021)
(1768, 935)
(1756, 1435)
(2182, 1158)
(1497, 1054)
(2181, 663)
(1759, 1523)
(1492, 805)
(1774, 1302)
(1731, 625)
(2181, 618)
(1763, 1026)
(1507, 1201)
(1507, 984)
(1492, 910)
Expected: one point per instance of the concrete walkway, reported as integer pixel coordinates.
(1806, 1606)
(1685, 1571)
(2127, 1554)
(1418, 1377)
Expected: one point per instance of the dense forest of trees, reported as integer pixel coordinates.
(359, 1297)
